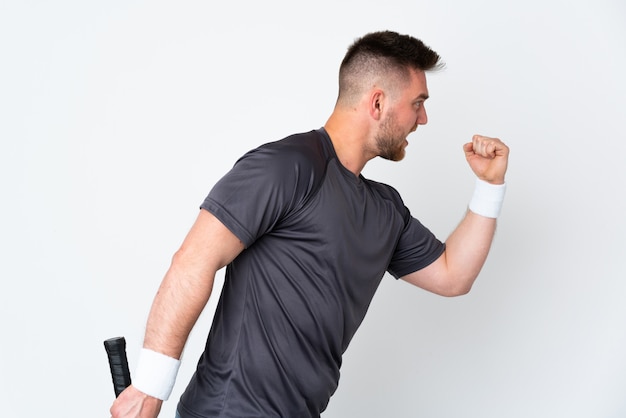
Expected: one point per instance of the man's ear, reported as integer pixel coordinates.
(377, 99)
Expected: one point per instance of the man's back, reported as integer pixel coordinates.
(319, 240)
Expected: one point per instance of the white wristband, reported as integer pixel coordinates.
(155, 374)
(487, 199)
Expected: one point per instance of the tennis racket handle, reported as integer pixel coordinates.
(116, 351)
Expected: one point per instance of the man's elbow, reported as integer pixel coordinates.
(458, 288)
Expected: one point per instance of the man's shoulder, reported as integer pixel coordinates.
(302, 152)
(305, 144)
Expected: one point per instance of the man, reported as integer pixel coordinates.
(307, 240)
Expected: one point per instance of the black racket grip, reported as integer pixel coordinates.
(116, 350)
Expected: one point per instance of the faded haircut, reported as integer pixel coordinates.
(385, 56)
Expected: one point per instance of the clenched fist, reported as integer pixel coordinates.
(488, 158)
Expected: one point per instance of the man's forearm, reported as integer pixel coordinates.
(467, 248)
(185, 290)
(177, 305)
(182, 296)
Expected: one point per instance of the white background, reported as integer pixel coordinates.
(117, 117)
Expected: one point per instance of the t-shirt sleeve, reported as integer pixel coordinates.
(417, 248)
(253, 196)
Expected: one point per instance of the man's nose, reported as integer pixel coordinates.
(422, 117)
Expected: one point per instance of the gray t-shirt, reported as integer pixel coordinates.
(318, 241)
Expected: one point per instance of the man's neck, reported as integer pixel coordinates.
(350, 138)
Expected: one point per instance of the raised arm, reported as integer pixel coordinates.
(467, 247)
(182, 296)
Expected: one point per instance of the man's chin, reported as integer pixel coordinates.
(401, 153)
(397, 156)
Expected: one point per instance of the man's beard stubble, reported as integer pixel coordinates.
(390, 141)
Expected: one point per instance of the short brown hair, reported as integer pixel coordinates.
(383, 54)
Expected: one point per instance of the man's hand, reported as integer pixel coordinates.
(135, 404)
(488, 158)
